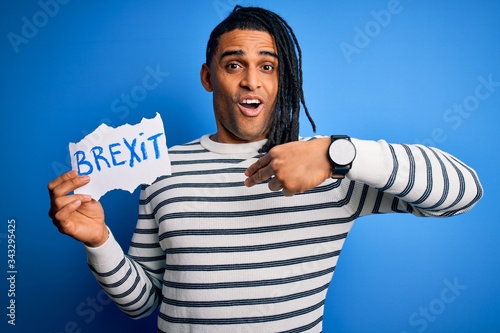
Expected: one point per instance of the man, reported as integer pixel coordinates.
(244, 236)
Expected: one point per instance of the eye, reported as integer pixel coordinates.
(232, 66)
(268, 68)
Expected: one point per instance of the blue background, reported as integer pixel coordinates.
(399, 80)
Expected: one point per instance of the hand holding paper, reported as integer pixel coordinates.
(76, 215)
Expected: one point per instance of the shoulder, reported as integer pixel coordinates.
(178, 152)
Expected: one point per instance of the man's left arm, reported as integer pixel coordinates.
(433, 182)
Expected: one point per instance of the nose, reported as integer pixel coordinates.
(251, 79)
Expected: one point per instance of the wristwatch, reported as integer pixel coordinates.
(341, 154)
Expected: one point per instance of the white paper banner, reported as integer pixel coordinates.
(121, 158)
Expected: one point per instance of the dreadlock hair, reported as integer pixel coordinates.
(285, 121)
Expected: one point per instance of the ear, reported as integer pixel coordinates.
(206, 78)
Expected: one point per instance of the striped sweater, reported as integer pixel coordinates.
(216, 256)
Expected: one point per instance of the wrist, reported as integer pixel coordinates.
(100, 240)
(341, 154)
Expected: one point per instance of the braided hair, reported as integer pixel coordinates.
(285, 122)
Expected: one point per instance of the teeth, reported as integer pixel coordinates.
(251, 101)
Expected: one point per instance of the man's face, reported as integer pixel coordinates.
(243, 76)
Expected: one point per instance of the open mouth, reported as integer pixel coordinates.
(251, 107)
(251, 103)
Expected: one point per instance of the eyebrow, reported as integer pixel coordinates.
(241, 52)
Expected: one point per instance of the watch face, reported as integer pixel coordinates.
(342, 152)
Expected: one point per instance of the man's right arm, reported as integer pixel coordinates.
(129, 282)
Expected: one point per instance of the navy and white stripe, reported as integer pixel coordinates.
(217, 256)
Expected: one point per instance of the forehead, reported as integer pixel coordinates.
(246, 40)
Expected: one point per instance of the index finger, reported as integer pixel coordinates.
(66, 183)
(259, 164)
(259, 171)
(61, 179)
